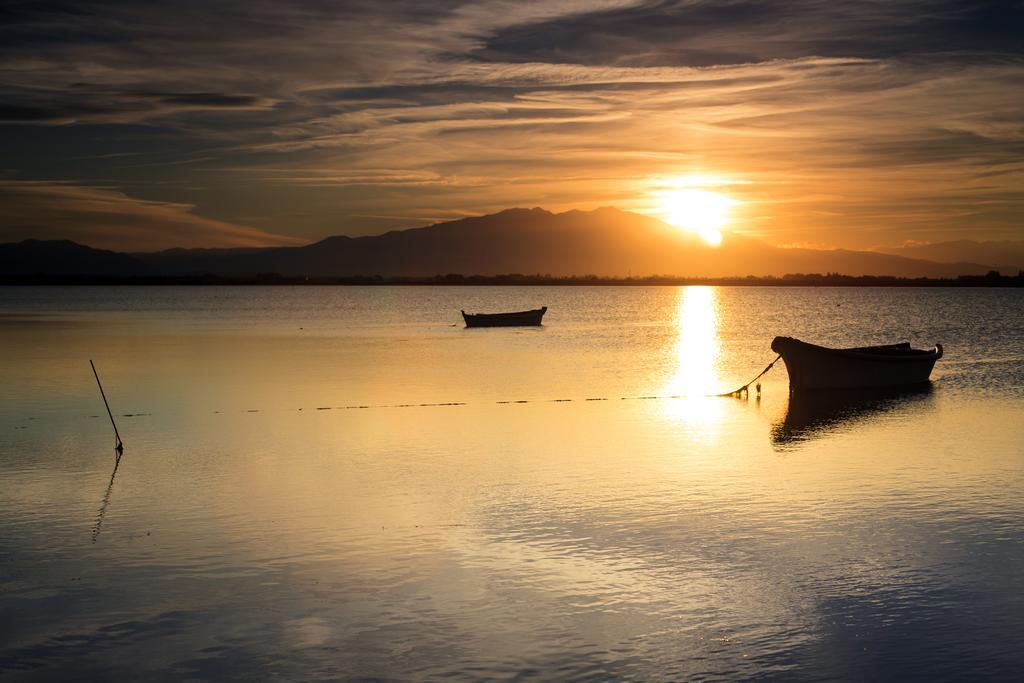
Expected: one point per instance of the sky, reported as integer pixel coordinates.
(142, 126)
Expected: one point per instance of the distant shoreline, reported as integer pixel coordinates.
(992, 279)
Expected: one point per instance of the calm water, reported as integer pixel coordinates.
(263, 524)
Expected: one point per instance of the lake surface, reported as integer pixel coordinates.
(345, 483)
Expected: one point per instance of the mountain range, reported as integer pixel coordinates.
(603, 242)
(1006, 256)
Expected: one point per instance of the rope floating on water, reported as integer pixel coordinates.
(738, 393)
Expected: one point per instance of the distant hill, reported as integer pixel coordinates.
(605, 242)
(1007, 256)
(64, 257)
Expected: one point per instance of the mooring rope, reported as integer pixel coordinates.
(740, 392)
(746, 387)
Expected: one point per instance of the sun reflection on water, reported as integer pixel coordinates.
(697, 352)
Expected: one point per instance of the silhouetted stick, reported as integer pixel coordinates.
(120, 446)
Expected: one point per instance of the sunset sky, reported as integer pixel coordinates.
(821, 123)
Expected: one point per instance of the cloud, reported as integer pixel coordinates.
(830, 137)
(320, 113)
(110, 219)
(73, 103)
(745, 31)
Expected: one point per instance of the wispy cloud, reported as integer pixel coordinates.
(110, 219)
(850, 123)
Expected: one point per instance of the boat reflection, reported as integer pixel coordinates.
(815, 413)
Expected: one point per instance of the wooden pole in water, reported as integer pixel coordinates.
(120, 446)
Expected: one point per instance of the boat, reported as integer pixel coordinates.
(513, 319)
(818, 367)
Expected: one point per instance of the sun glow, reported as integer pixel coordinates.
(691, 203)
(697, 347)
(701, 211)
(697, 350)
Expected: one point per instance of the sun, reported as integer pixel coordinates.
(702, 211)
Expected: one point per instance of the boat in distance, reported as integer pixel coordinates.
(818, 367)
(513, 319)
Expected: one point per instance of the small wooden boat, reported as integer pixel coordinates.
(514, 319)
(818, 367)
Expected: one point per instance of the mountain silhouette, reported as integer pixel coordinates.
(1004, 255)
(603, 242)
(64, 257)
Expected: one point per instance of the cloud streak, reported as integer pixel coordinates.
(110, 219)
(324, 114)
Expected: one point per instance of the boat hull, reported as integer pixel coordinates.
(515, 319)
(818, 367)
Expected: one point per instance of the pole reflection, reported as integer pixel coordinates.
(106, 498)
